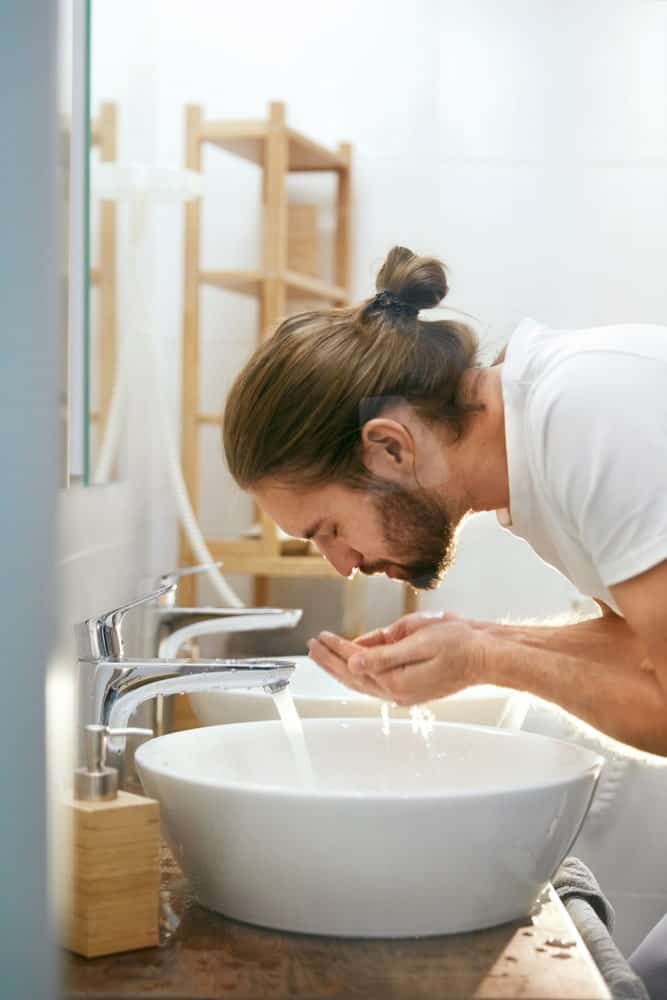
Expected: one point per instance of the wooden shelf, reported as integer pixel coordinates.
(246, 558)
(209, 418)
(247, 139)
(252, 544)
(103, 277)
(252, 283)
(277, 150)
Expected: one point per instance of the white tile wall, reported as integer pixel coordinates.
(100, 564)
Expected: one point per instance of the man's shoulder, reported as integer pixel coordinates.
(536, 350)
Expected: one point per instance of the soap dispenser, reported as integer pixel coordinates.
(116, 858)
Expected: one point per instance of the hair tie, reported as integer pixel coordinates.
(392, 303)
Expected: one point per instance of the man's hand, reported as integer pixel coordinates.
(415, 660)
(403, 627)
(609, 671)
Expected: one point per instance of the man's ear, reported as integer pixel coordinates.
(388, 450)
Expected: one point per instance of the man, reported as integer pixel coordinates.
(375, 433)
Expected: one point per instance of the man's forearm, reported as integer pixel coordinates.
(597, 670)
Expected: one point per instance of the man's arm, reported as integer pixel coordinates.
(598, 670)
(609, 671)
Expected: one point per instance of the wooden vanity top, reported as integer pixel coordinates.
(208, 957)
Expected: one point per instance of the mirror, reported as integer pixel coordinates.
(72, 166)
(105, 426)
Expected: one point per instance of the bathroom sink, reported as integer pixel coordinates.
(318, 695)
(400, 832)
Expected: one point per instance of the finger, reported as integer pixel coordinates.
(417, 684)
(409, 624)
(343, 648)
(381, 636)
(337, 667)
(326, 658)
(403, 627)
(333, 665)
(376, 660)
(378, 637)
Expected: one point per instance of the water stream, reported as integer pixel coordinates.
(421, 717)
(294, 732)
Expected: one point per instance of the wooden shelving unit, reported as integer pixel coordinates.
(103, 135)
(278, 150)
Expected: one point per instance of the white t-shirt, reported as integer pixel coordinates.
(586, 435)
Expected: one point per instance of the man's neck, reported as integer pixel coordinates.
(479, 458)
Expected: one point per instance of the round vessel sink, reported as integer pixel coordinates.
(317, 695)
(400, 832)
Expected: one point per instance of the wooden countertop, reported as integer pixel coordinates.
(208, 957)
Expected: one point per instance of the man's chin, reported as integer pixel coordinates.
(432, 583)
(424, 580)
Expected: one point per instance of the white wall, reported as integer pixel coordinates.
(552, 178)
(553, 203)
(523, 142)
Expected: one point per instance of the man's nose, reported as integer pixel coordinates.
(343, 558)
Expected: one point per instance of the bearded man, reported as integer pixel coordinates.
(375, 432)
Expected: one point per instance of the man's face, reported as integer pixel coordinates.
(383, 529)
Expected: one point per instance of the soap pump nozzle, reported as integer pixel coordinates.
(96, 782)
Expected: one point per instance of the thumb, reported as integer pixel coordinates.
(377, 637)
(378, 659)
(403, 627)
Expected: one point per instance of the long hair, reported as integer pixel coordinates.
(295, 412)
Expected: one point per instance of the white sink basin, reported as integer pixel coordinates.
(317, 695)
(400, 834)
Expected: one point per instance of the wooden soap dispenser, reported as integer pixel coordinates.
(116, 858)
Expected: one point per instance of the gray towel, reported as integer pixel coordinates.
(575, 879)
(593, 916)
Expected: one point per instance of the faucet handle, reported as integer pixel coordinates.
(176, 574)
(102, 636)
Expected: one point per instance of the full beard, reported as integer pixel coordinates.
(418, 530)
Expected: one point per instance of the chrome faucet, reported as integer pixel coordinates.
(112, 686)
(169, 618)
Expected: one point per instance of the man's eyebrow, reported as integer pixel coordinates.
(312, 531)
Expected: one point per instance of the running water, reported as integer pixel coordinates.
(384, 715)
(294, 732)
(422, 722)
(422, 719)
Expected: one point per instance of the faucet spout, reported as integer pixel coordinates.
(252, 620)
(112, 686)
(111, 689)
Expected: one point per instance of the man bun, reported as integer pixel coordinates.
(418, 281)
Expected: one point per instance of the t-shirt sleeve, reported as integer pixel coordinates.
(598, 424)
